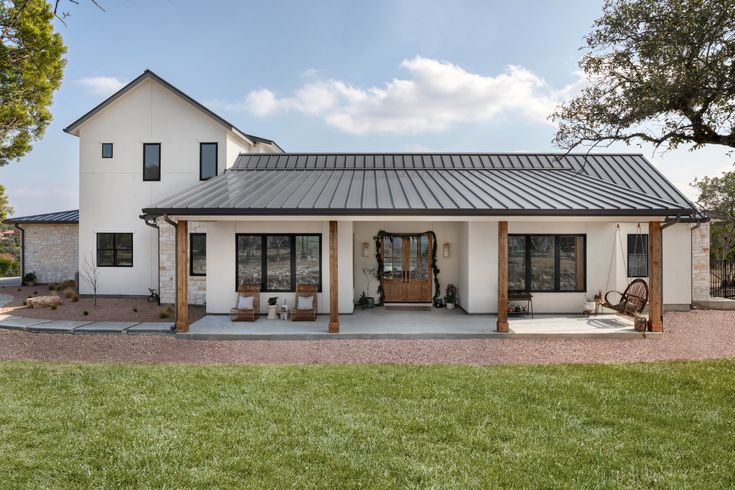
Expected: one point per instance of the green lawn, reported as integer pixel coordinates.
(654, 425)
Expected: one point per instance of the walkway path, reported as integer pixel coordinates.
(690, 335)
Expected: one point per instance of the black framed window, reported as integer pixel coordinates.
(638, 255)
(207, 160)
(114, 249)
(278, 261)
(197, 254)
(151, 161)
(552, 263)
(106, 150)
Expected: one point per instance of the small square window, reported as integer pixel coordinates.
(106, 150)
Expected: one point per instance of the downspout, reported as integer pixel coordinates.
(22, 252)
(154, 224)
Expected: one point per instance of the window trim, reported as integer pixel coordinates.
(216, 159)
(159, 162)
(102, 150)
(557, 260)
(264, 257)
(114, 248)
(191, 254)
(627, 253)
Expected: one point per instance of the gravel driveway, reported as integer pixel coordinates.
(691, 335)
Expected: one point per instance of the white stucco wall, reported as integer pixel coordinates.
(221, 249)
(112, 191)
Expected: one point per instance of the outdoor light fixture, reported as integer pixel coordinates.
(445, 250)
(365, 249)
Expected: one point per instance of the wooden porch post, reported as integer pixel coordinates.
(655, 277)
(182, 277)
(502, 324)
(333, 280)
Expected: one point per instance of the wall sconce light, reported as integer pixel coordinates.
(445, 250)
(365, 249)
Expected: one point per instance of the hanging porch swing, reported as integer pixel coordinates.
(633, 300)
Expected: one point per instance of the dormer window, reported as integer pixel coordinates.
(151, 161)
(106, 150)
(207, 160)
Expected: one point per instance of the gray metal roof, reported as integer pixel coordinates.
(60, 217)
(71, 129)
(432, 184)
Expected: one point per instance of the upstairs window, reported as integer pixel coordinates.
(106, 150)
(114, 249)
(151, 161)
(197, 254)
(638, 255)
(207, 160)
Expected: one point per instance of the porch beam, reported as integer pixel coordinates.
(502, 323)
(182, 277)
(655, 277)
(333, 280)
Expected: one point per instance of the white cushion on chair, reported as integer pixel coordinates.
(305, 303)
(245, 302)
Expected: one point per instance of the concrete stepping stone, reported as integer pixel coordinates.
(105, 327)
(18, 322)
(151, 327)
(56, 326)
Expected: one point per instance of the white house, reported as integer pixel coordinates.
(175, 198)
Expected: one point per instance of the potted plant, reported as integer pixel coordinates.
(362, 302)
(370, 274)
(273, 300)
(450, 300)
(29, 279)
(273, 308)
(640, 323)
(589, 305)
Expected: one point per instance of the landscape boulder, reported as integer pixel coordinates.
(43, 301)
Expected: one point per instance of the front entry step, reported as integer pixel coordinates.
(408, 306)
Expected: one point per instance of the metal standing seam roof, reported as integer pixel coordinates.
(435, 184)
(60, 217)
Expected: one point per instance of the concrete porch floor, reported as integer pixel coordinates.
(379, 323)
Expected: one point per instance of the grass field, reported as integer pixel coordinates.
(667, 425)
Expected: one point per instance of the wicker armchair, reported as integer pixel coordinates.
(306, 290)
(238, 315)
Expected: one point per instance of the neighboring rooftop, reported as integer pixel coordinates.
(433, 184)
(148, 74)
(60, 217)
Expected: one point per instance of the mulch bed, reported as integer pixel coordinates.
(691, 335)
(111, 309)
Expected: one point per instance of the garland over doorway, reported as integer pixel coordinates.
(382, 234)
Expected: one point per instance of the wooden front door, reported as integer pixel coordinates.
(407, 268)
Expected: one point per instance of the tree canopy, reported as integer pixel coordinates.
(31, 68)
(717, 198)
(659, 71)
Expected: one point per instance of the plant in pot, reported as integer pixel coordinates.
(640, 323)
(273, 300)
(362, 302)
(29, 279)
(450, 300)
(370, 273)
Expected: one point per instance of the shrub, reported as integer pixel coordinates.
(135, 310)
(68, 284)
(165, 312)
(69, 293)
(25, 303)
(35, 293)
(85, 313)
(74, 298)
(19, 289)
(52, 286)
(29, 278)
(9, 267)
(53, 307)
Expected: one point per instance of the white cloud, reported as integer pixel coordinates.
(436, 96)
(104, 86)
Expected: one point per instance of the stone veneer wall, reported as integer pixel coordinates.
(51, 251)
(197, 284)
(700, 263)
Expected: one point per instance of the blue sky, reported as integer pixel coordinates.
(401, 75)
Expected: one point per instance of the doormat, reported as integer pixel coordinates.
(409, 307)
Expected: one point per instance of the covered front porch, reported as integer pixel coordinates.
(381, 323)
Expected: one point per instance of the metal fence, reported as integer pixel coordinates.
(722, 279)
